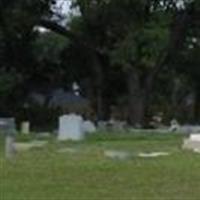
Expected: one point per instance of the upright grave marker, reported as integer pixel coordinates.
(25, 128)
(193, 142)
(70, 127)
(8, 128)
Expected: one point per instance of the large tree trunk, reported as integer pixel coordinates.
(197, 106)
(98, 86)
(137, 99)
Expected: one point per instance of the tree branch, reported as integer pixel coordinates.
(53, 26)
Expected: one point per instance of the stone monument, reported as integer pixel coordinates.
(88, 127)
(70, 127)
(8, 128)
(25, 127)
(193, 142)
(174, 126)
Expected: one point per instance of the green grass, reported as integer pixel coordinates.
(45, 174)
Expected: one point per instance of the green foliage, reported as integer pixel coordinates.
(130, 34)
(128, 31)
(48, 47)
(17, 21)
(144, 44)
(8, 81)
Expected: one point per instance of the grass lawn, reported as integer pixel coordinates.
(46, 174)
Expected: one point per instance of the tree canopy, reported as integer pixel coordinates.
(119, 51)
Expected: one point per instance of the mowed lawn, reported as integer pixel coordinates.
(86, 174)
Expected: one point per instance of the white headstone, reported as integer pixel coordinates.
(25, 128)
(195, 137)
(193, 142)
(88, 127)
(70, 127)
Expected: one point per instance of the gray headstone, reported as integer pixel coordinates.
(88, 127)
(10, 148)
(25, 128)
(8, 128)
(70, 127)
(102, 125)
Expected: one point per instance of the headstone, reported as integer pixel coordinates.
(156, 121)
(25, 128)
(119, 125)
(70, 127)
(24, 146)
(195, 137)
(190, 129)
(8, 128)
(153, 154)
(119, 155)
(88, 127)
(102, 125)
(174, 126)
(193, 142)
(10, 148)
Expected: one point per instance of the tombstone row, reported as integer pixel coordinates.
(71, 127)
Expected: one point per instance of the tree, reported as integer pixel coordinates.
(17, 34)
(188, 63)
(137, 38)
(140, 42)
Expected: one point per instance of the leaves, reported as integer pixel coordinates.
(8, 81)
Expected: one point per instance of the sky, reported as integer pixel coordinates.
(64, 5)
(64, 9)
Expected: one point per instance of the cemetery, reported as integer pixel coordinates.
(75, 164)
(100, 100)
